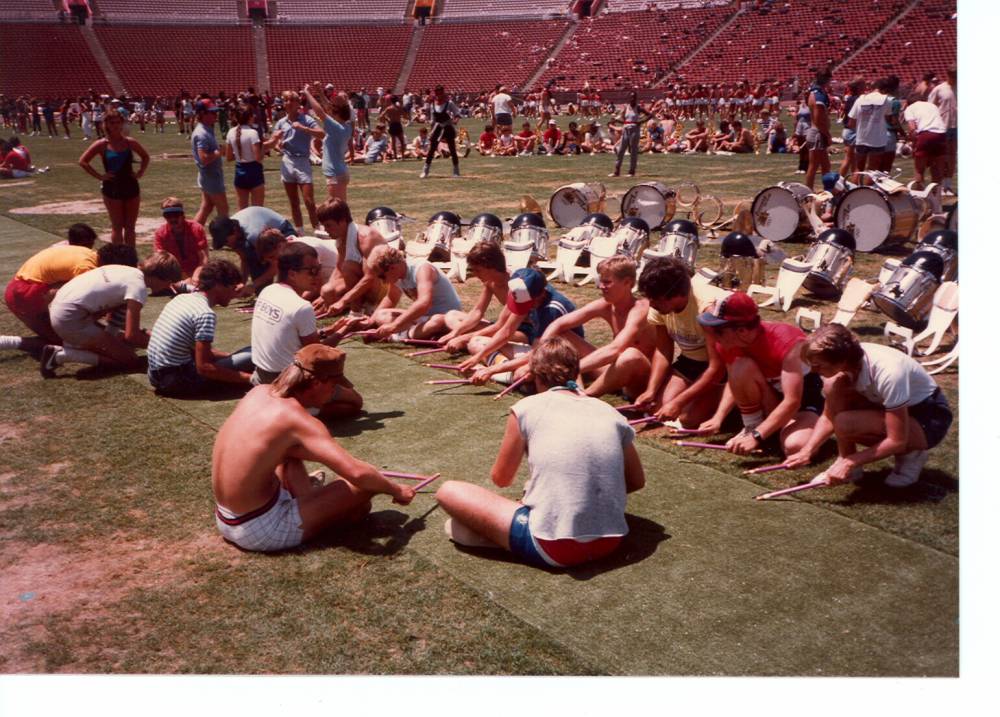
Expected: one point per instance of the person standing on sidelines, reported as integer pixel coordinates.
(943, 96)
(292, 136)
(244, 146)
(338, 128)
(208, 158)
(443, 113)
(631, 115)
(818, 139)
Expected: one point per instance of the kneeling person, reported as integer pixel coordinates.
(566, 517)
(265, 500)
(432, 295)
(181, 358)
(876, 396)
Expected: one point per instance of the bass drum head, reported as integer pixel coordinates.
(653, 202)
(865, 213)
(570, 204)
(776, 213)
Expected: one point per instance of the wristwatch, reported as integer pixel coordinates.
(756, 436)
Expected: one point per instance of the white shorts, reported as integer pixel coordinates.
(74, 324)
(296, 170)
(278, 526)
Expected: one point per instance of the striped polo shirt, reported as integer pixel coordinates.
(187, 318)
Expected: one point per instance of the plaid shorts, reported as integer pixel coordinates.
(276, 525)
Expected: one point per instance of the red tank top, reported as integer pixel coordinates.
(768, 351)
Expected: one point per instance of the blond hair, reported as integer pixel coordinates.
(619, 266)
(291, 381)
(383, 258)
(554, 362)
(163, 266)
(835, 344)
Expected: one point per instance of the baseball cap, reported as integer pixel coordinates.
(830, 180)
(552, 122)
(737, 308)
(524, 287)
(205, 106)
(322, 361)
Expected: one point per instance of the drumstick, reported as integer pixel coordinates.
(420, 342)
(766, 469)
(814, 483)
(629, 407)
(510, 388)
(356, 334)
(424, 352)
(404, 476)
(448, 381)
(686, 431)
(426, 481)
(446, 366)
(644, 419)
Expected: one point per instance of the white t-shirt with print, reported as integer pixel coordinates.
(870, 112)
(280, 319)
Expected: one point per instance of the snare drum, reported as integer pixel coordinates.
(831, 257)
(876, 218)
(632, 237)
(570, 204)
(442, 228)
(944, 243)
(528, 232)
(778, 212)
(907, 297)
(653, 202)
(485, 227)
(679, 239)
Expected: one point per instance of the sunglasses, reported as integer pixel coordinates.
(311, 270)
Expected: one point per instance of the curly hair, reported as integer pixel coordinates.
(665, 278)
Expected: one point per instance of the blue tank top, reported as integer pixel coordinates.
(117, 163)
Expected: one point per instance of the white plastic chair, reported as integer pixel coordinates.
(942, 362)
(791, 275)
(943, 313)
(600, 249)
(811, 316)
(568, 251)
(855, 294)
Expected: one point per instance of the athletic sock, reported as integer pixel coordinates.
(68, 355)
(752, 420)
(10, 343)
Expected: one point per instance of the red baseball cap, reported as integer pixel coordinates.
(737, 308)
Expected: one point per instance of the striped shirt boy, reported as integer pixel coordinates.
(185, 320)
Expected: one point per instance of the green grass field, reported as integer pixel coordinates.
(111, 562)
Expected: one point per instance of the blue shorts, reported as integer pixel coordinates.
(521, 542)
(934, 416)
(211, 181)
(249, 175)
(849, 136)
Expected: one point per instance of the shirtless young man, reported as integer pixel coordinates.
(265, 500)
(351, 284)
(697, 138)
(486, 263)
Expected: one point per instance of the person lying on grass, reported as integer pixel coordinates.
(532, 305)
(119, 280)
(878, 397)
(182, 361)
(284, 322)
(624, 363)
(265, 500)
(35, 284)
(431, 294)
(688, 389)
(583, 463)
(487, 263)
(775, 394)
(351, 285)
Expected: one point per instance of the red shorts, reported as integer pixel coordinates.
(567, 552)
(930, 144)
(29, 301)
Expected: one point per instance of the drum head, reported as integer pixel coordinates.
(865, 213)
(776, 214)
(648, 202)
(570, 205)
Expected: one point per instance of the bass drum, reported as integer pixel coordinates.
(778, 212)
(876, 218)
(653, 202)
(572, 203)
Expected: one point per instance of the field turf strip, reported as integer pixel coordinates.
(112, 563)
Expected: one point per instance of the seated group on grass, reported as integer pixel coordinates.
(683, 352)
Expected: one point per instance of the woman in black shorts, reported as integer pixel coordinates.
(119, 182)
(443, 113)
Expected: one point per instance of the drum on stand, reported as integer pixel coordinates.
(778, 212)
(570, 204)
(653, 202)
(876, 218)
(907, 296)
(831, 257)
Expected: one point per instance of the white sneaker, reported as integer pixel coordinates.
(907, 470)
(424, 173)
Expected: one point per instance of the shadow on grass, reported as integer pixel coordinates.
(934, 485)
(342, 427)
(382, 533)
(644, 536)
